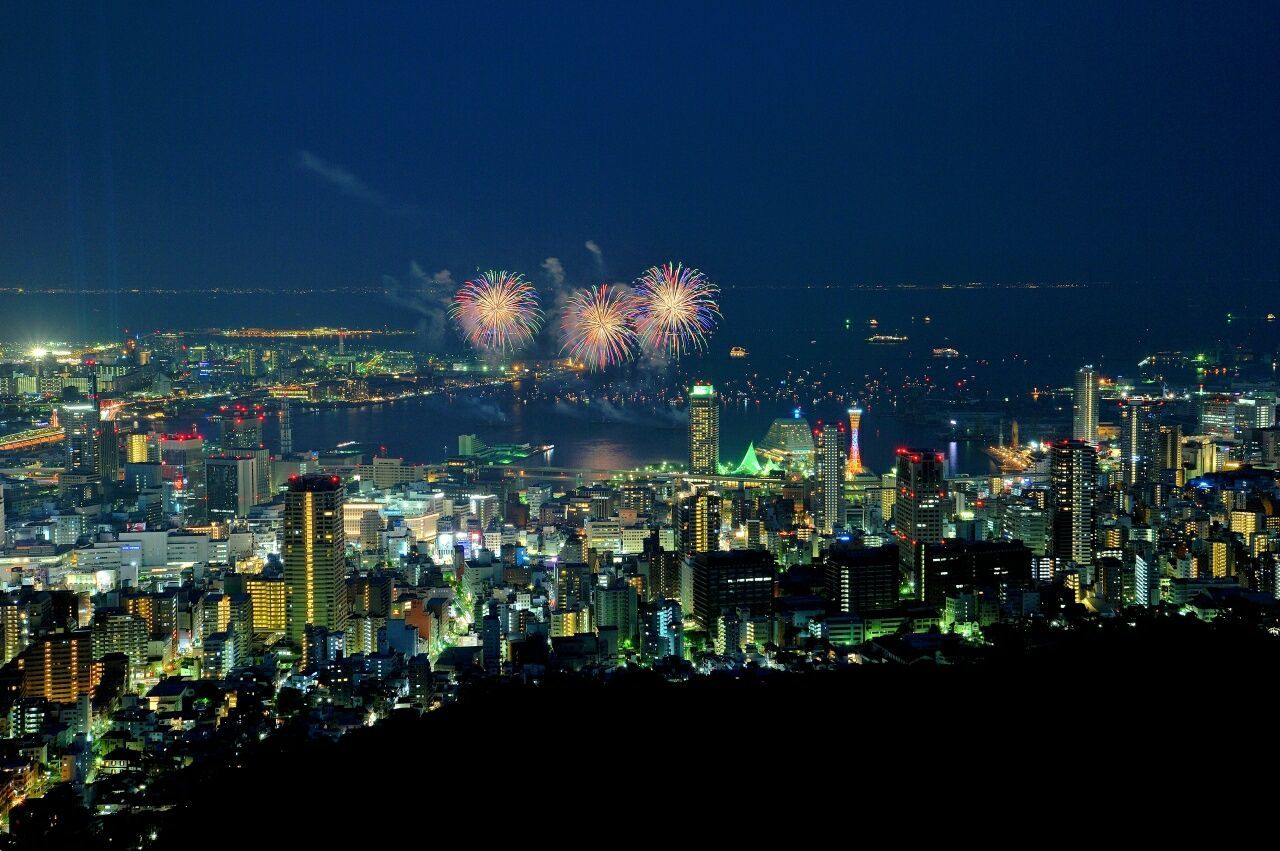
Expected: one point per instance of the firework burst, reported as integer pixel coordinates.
(676, 309)
(497, 311)
(596, 324)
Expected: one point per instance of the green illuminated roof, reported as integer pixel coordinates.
(750, 464)
(702, 390)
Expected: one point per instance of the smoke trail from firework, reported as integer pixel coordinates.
(597, 330)
(676, 309)
(497, 311)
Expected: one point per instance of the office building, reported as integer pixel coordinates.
(862, 579)
(949, 566)
(918, 511)
(1028, 524)
(182, 465)
(1218, 417)
(230, 486)
(729, 581)
(242, 436)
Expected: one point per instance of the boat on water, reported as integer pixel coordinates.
(886, 339)
(737, 352)
(946, 352)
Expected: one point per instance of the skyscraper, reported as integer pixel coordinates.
(286, 428)
(918, 510)
(1171, 470)
(182, 460)
(81, 429)
(1073, 478)
(854, 464)
(830, 474)
(314, 555)
(1138, 442)
(704, 430)
(242, 436)
(230, 486)
(1084, 417)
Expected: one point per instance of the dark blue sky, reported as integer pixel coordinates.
(274, 144)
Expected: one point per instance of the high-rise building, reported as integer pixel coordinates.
(315, 565)
(918, 512)
(270, 607)
(1084, 402)
(853, 465)
(230, 486)
(1139, 442)
(730, 581)
(81, 428)
(863, 579)
(663, 630)
(137, 448)
(109, 466)
(1218, 417)
(1073, 479)
(1171, 471)
(1029, 524)
(118, 631)
(616, 606)
(700, 522)
(704, 430)
(286, 428)
(182, 460)
(830, 471)
(949, 566)
(242, 435)
(1257, 410)
(14, 626)
(60, 667)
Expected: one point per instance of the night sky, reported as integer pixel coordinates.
(286, 145)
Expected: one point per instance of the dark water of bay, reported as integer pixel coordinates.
(1012, 340)
(426, 429)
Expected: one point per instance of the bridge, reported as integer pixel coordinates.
(31, 437)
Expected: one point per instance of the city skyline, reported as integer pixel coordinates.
(409, 412)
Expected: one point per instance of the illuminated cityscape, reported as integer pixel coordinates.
(410, 414)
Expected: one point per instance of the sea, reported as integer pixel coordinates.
(807, 353)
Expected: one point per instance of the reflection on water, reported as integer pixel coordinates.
(427, 429)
